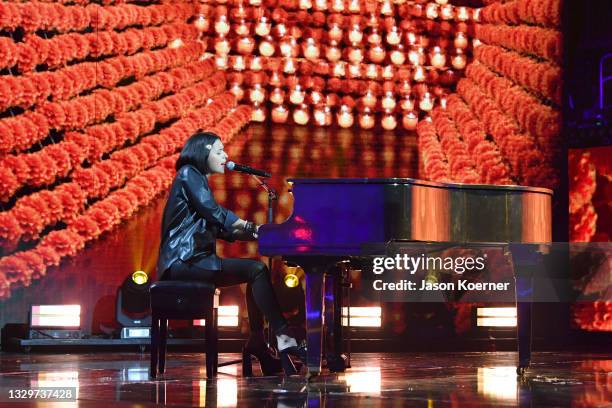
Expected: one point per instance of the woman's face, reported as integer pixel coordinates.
(217, 158)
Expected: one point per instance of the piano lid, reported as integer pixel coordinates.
(397, 180)
(338, 216)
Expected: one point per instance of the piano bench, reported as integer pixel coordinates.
(183, 300)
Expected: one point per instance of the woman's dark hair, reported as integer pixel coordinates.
(196, 151)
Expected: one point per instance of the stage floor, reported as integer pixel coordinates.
(375, 379)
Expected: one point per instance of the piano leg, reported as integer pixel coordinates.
(314, 321)
(333, 321)
(314, 271)
(526, 260)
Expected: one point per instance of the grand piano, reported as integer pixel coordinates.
(333, 221)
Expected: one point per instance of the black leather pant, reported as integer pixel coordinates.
(260, 296)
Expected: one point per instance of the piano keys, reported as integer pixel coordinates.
(333, 220)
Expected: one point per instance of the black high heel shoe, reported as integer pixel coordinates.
(268, 363)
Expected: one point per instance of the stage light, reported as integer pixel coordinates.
(496, 317)
(133, 306)
(227, 316)
(226, 390)
(57, 379)
(497, 382)
(291, 280)
(140, 277)
(55, 316)
(366, 381)
(362, 316)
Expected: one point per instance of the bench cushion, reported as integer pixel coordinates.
(182, 299)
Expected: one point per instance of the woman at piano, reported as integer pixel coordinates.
(191, 223)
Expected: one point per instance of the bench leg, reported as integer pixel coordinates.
(163, 337)
(211, 345)
(154, 346)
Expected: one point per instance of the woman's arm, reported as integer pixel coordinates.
(201, 198)
(244, 230)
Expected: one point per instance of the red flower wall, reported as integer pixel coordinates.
(97, 100)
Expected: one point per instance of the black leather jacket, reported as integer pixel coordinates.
(192, 222)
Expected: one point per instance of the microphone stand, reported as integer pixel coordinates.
(272, 196)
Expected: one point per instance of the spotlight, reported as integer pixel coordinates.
(133, 306)
(140, 277)
(291, 280)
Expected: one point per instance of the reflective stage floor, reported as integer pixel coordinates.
(375, 379)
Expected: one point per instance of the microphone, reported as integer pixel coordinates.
(246, 169)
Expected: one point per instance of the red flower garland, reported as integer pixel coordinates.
(60, 162)
(34, 212)
(56, 17)
(461, 165)
(539, 120)
(35, 88)
(435, 166)
(542, 42)
(519, 149)
(542, 12)
(489, 161)
(540, 77)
